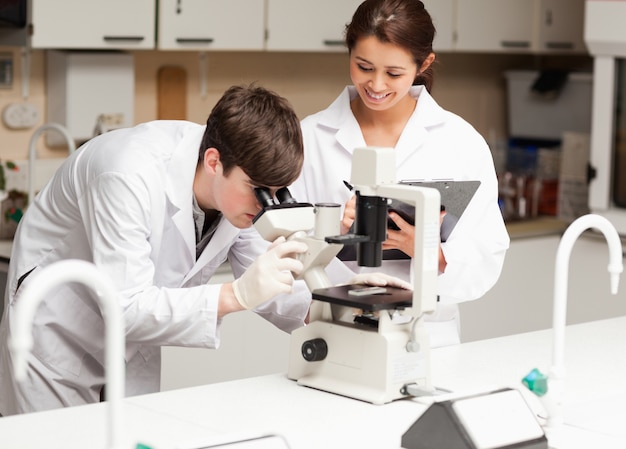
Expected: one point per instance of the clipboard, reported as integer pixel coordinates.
(455, 197)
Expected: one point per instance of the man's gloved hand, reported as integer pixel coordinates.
(380, 280)
(270, 274)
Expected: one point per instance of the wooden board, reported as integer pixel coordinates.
(172, 93)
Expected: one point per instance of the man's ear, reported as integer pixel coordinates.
(212, 161)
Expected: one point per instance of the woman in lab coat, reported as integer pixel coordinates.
(389, 105)
(158, 208)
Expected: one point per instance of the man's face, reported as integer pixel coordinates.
(231, 194)
(235, 198)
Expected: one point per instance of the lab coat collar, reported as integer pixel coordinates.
(223, 237)
(339, 117)
(339, 112)
(182, 168)
(179, 184)
(427, 112)
(180, 176)
(426, 116)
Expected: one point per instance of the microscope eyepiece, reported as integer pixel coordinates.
(284, 196)
(263, 196)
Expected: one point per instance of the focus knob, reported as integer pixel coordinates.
(314, 350)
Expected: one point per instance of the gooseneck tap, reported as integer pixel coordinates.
(32, 152)
(85, 273)
(556, 375)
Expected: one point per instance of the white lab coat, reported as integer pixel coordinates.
(435, 144)
(124, 202)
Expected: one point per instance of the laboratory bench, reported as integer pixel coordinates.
(521, 301)
(536, 227)
(595, 359)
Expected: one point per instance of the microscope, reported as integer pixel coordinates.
(363, 342)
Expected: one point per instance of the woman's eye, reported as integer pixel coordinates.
(364, 69)
(394, 75)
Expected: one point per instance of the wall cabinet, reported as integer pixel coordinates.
(506, 26)
(442, 12)
(93, 24)
(304, 25)
(536, 26)
(494, 25)
(561, 26)
(211, 25)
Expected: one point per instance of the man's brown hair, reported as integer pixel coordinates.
(257, 130)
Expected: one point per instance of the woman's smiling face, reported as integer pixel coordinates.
(382, 73)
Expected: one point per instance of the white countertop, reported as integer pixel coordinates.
(307, 418)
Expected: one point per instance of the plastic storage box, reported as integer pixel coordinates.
(533, 116)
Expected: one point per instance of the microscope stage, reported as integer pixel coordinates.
(391, 298)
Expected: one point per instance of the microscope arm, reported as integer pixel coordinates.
(427, 238)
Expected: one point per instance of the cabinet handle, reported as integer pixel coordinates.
(515, 44)
(548, 17)
(560, 45)
(191, 40)
(123, 38)
(333, 42)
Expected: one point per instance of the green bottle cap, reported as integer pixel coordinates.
(536, 382)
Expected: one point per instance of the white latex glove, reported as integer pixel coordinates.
(270, 274)
(380, 280)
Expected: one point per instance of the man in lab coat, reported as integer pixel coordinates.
(158, 208)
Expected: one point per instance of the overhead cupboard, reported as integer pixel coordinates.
(514, 26)
(305, 25)
(530, 26)
(93, 24)
(211, 25)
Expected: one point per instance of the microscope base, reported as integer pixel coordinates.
(360, 363)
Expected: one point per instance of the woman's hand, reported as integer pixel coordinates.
(349, 213)
(404, 238)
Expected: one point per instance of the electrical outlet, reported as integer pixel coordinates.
(43, 171)
(6, 70)
(17, 179)
(20, 115)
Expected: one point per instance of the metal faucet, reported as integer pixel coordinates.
(554, 398)
(86, 273)
(32, 150)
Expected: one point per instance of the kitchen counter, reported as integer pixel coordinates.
(537, 227)
(195, 417)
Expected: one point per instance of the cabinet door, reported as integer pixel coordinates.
(211, 25)
(561, 26)
(93, 24)
(442, 13)
(495, 25)
(305, 25)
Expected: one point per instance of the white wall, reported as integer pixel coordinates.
(522, 299)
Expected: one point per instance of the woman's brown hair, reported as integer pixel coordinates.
(404, 23)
